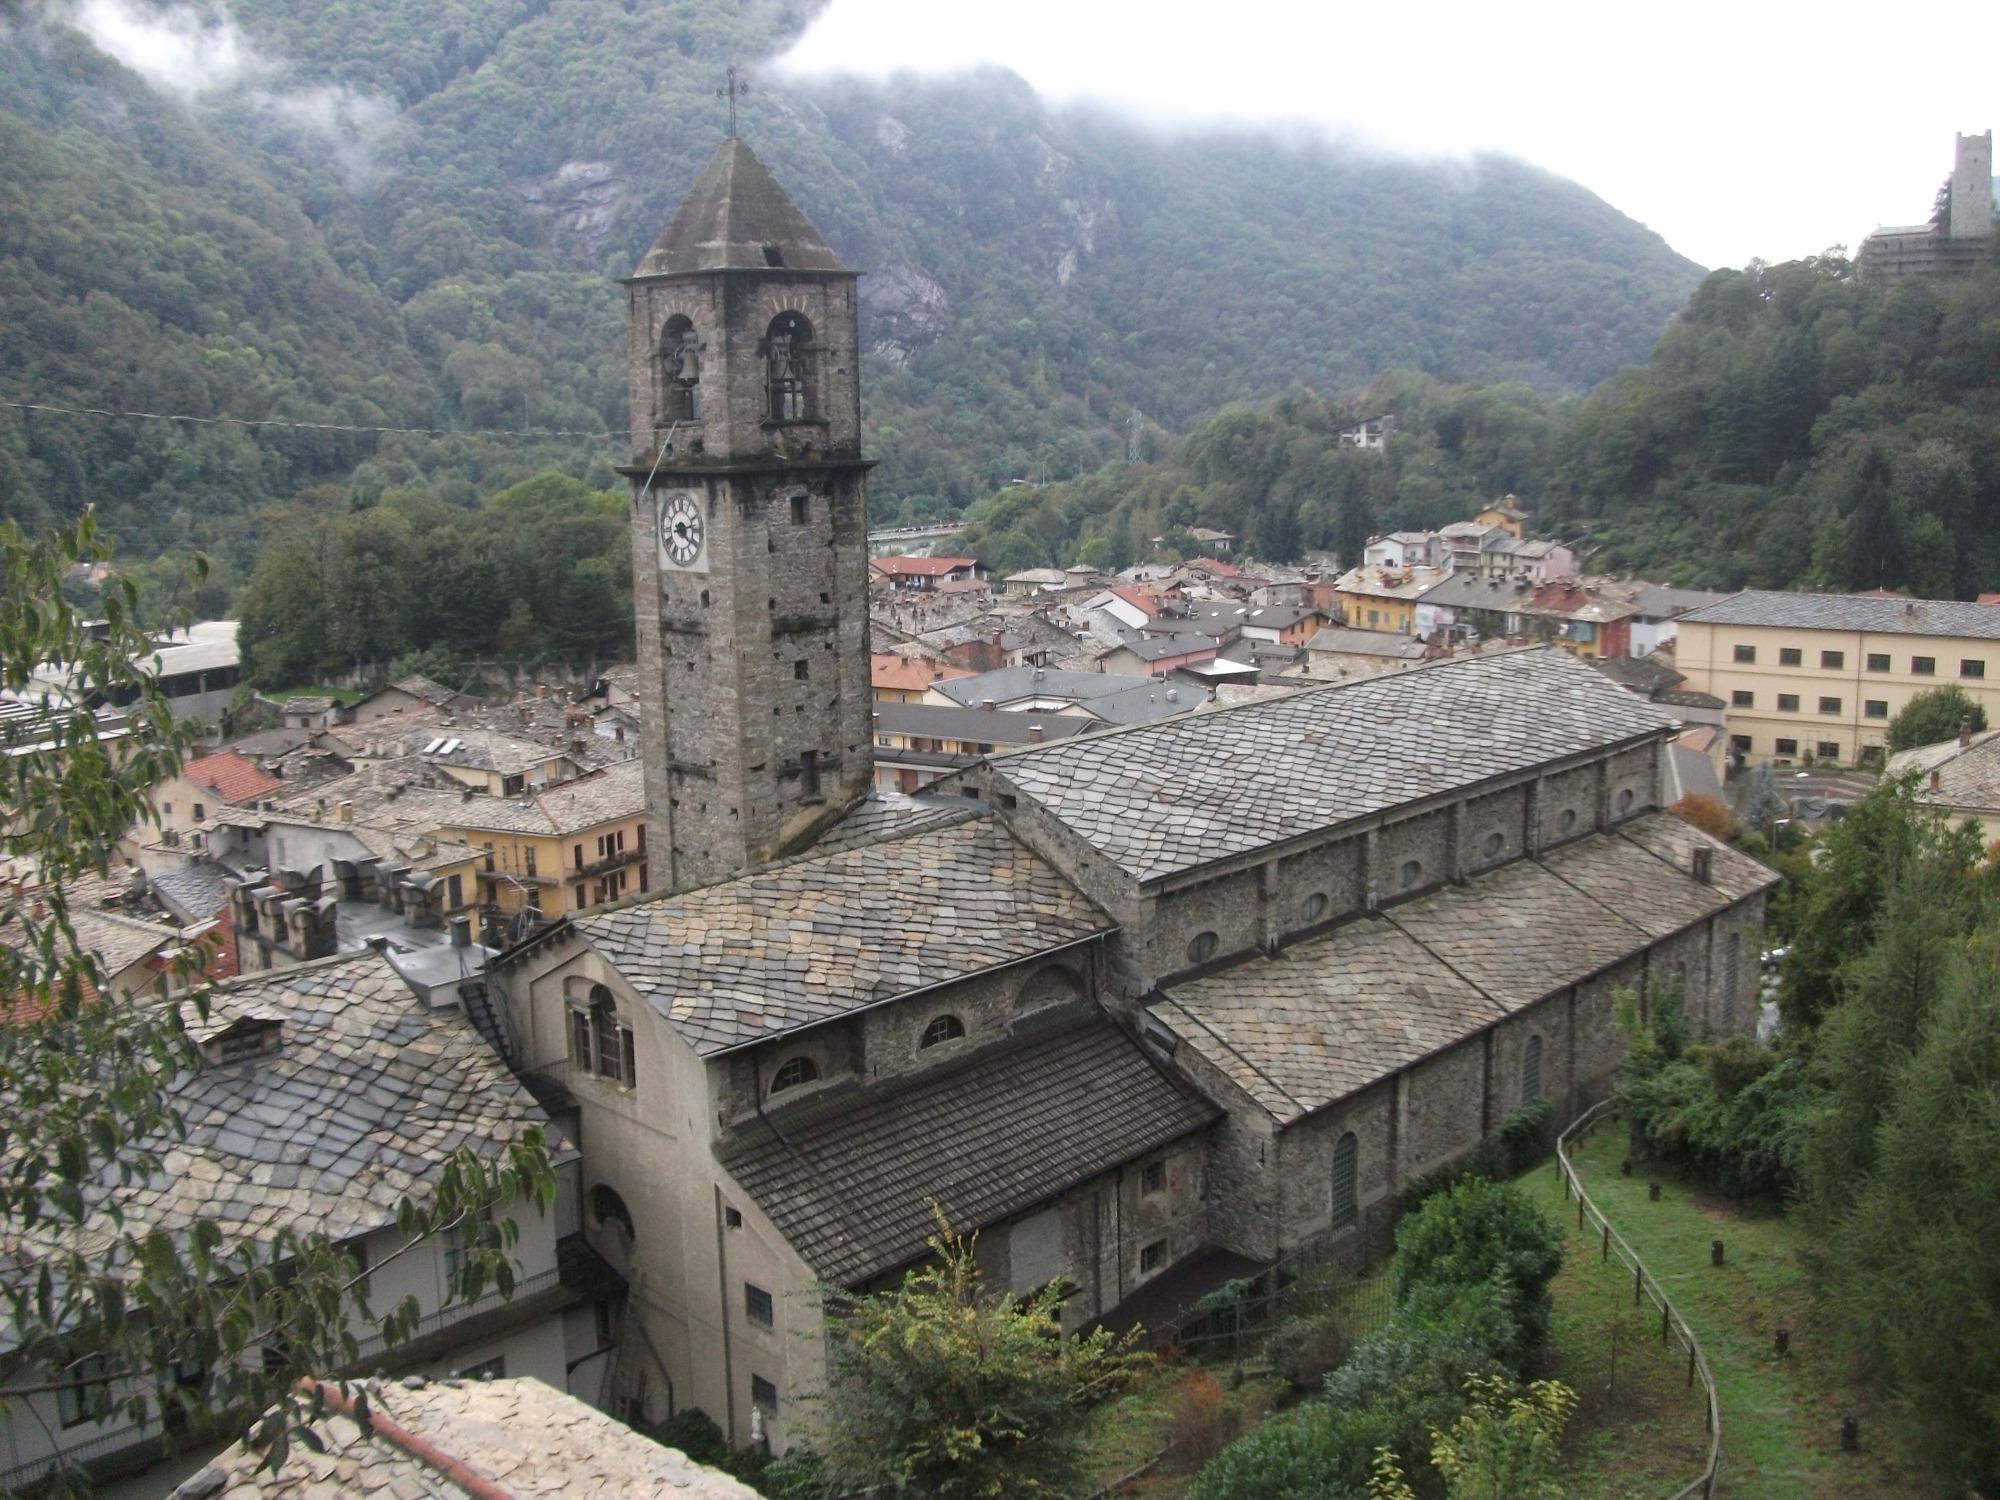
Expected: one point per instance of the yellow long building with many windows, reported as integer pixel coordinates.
(1821, 675)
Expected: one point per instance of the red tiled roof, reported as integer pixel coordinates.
(231, 777)
(1216, 566)
(1139, 598)
(908, 673)
(921, 567)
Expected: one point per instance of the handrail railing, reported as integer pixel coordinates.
(1645, 1287)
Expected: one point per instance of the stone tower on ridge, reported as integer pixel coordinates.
(749, 527)
(1972, 187)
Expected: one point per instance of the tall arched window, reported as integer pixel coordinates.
(601, 1043)
(1531, 1070)
(609, 1209)
(788, 350)
(793, 1072)
(680, 370)
(1346, 1207)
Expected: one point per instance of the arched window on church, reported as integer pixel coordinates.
(793, 1072)
(609, 1210)
(1346, 1160)
(1531, 1071)
(600, 1042)
(788, 351)
(942, 1029)
(680, 370)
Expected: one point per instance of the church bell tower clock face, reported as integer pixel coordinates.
(683, 537)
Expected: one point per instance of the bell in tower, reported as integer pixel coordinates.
(749, 528)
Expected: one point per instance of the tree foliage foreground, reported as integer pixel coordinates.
(940, 1387)
(201, 1327)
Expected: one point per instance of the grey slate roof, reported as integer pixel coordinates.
(1351, 642)
(734, 210)
(1112, 698)
(1322, 1019)
(522, 1437)
(1967, 778)
(1160, 647)
(195, 891)
(882, 815)
(357, 1108)
(993, 727)
(815, 938)
(1852, 612)
(986, 1140)
(1168, 797)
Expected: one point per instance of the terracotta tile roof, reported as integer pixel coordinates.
(1167, 797)
(232, 777)
(886, 669)
(818, 937)
(921, 567)
(851, 1186)
(523, 1438)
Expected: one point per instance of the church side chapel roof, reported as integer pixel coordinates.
(732, 215)
(985, 1140)
(1172, 796)
(815, 938)
(1322, 1019)
(358, 1104)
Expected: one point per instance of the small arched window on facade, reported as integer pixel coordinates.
(680, 370)
(1412, 874)
(788, 354)
(609, 1209)
(1625, 800)
(793, 1072)
(1531, 1070)
(1567, 821)
(1202, 947)
(1495, 845)
(1346, 1206)
(942, 1029)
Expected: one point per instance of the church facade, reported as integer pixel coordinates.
(1199, 992)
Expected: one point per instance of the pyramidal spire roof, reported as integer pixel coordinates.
(737, 218)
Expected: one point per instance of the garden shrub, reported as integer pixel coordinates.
(696, 1434)
(1199, 1420)
(1316, 1452)
(1306, 1348)
(1479, 1232)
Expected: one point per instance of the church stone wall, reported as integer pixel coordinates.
(1241, 1207)
(1505, 813)
(1633, 781)
(1423, 841)
(1230, 906)
(1335, 869)
(1572, 791)
(1443, 1103)
(1305, 1165)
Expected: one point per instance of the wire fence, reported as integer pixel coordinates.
(1645, 1288)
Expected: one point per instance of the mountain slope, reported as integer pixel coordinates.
(417, 212)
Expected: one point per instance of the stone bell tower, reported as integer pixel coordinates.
(749, 528)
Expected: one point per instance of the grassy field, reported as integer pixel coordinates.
(1780, 1417)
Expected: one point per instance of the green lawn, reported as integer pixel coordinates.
(1780, 1418)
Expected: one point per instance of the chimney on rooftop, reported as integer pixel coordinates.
(1965, 731)
(1034, 734)
(541, 690)
(1703, 862)
(346, 811)
(987, 704)
(461, 932)
(1935, 775)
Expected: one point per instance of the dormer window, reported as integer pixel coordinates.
(793, 1072)
(242, 1039)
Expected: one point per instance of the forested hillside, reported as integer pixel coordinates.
(398, 215)
(1795, 427)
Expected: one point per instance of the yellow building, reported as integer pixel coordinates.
(1822, 675)
(1506, 513)
(552, 852)
(1382, 598)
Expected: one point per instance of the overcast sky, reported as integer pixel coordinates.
(1737, 130)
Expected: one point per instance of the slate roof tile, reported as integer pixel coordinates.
(1171, 796)
(818, 937)
(993, 1137)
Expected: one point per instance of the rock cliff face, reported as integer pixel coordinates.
(902, 309)
(584, 197)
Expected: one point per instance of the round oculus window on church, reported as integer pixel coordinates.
(1314, 906)
(1625, 800)
(1202, 948)
(1567, 821)
(1496, 844)
(1412, 875)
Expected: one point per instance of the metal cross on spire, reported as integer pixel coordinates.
(732, 90)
